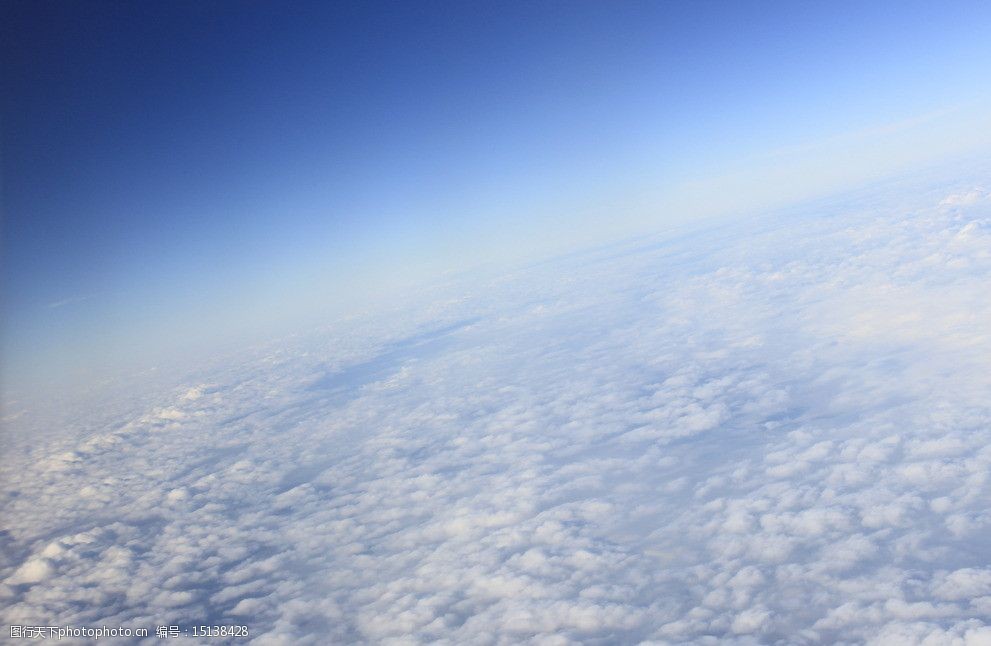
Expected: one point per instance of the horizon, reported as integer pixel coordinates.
(169, 187)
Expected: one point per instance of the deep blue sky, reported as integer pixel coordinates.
(176, 172)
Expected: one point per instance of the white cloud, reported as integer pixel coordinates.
(33, 571)
(966, 198)
(747, 437)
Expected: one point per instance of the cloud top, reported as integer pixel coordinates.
(773, 434)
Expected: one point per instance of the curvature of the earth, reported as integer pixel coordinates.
(755, 434)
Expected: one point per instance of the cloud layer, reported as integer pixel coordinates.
(773, 434)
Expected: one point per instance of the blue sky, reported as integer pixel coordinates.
(175, 174)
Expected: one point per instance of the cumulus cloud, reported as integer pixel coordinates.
(966, 198)
(766, 434)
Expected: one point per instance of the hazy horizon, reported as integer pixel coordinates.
(168, 186)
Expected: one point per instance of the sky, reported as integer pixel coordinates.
(179, 175)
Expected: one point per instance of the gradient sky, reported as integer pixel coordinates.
(176, 173)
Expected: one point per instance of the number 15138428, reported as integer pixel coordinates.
(220, 631)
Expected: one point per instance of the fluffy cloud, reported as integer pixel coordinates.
(764, 434)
